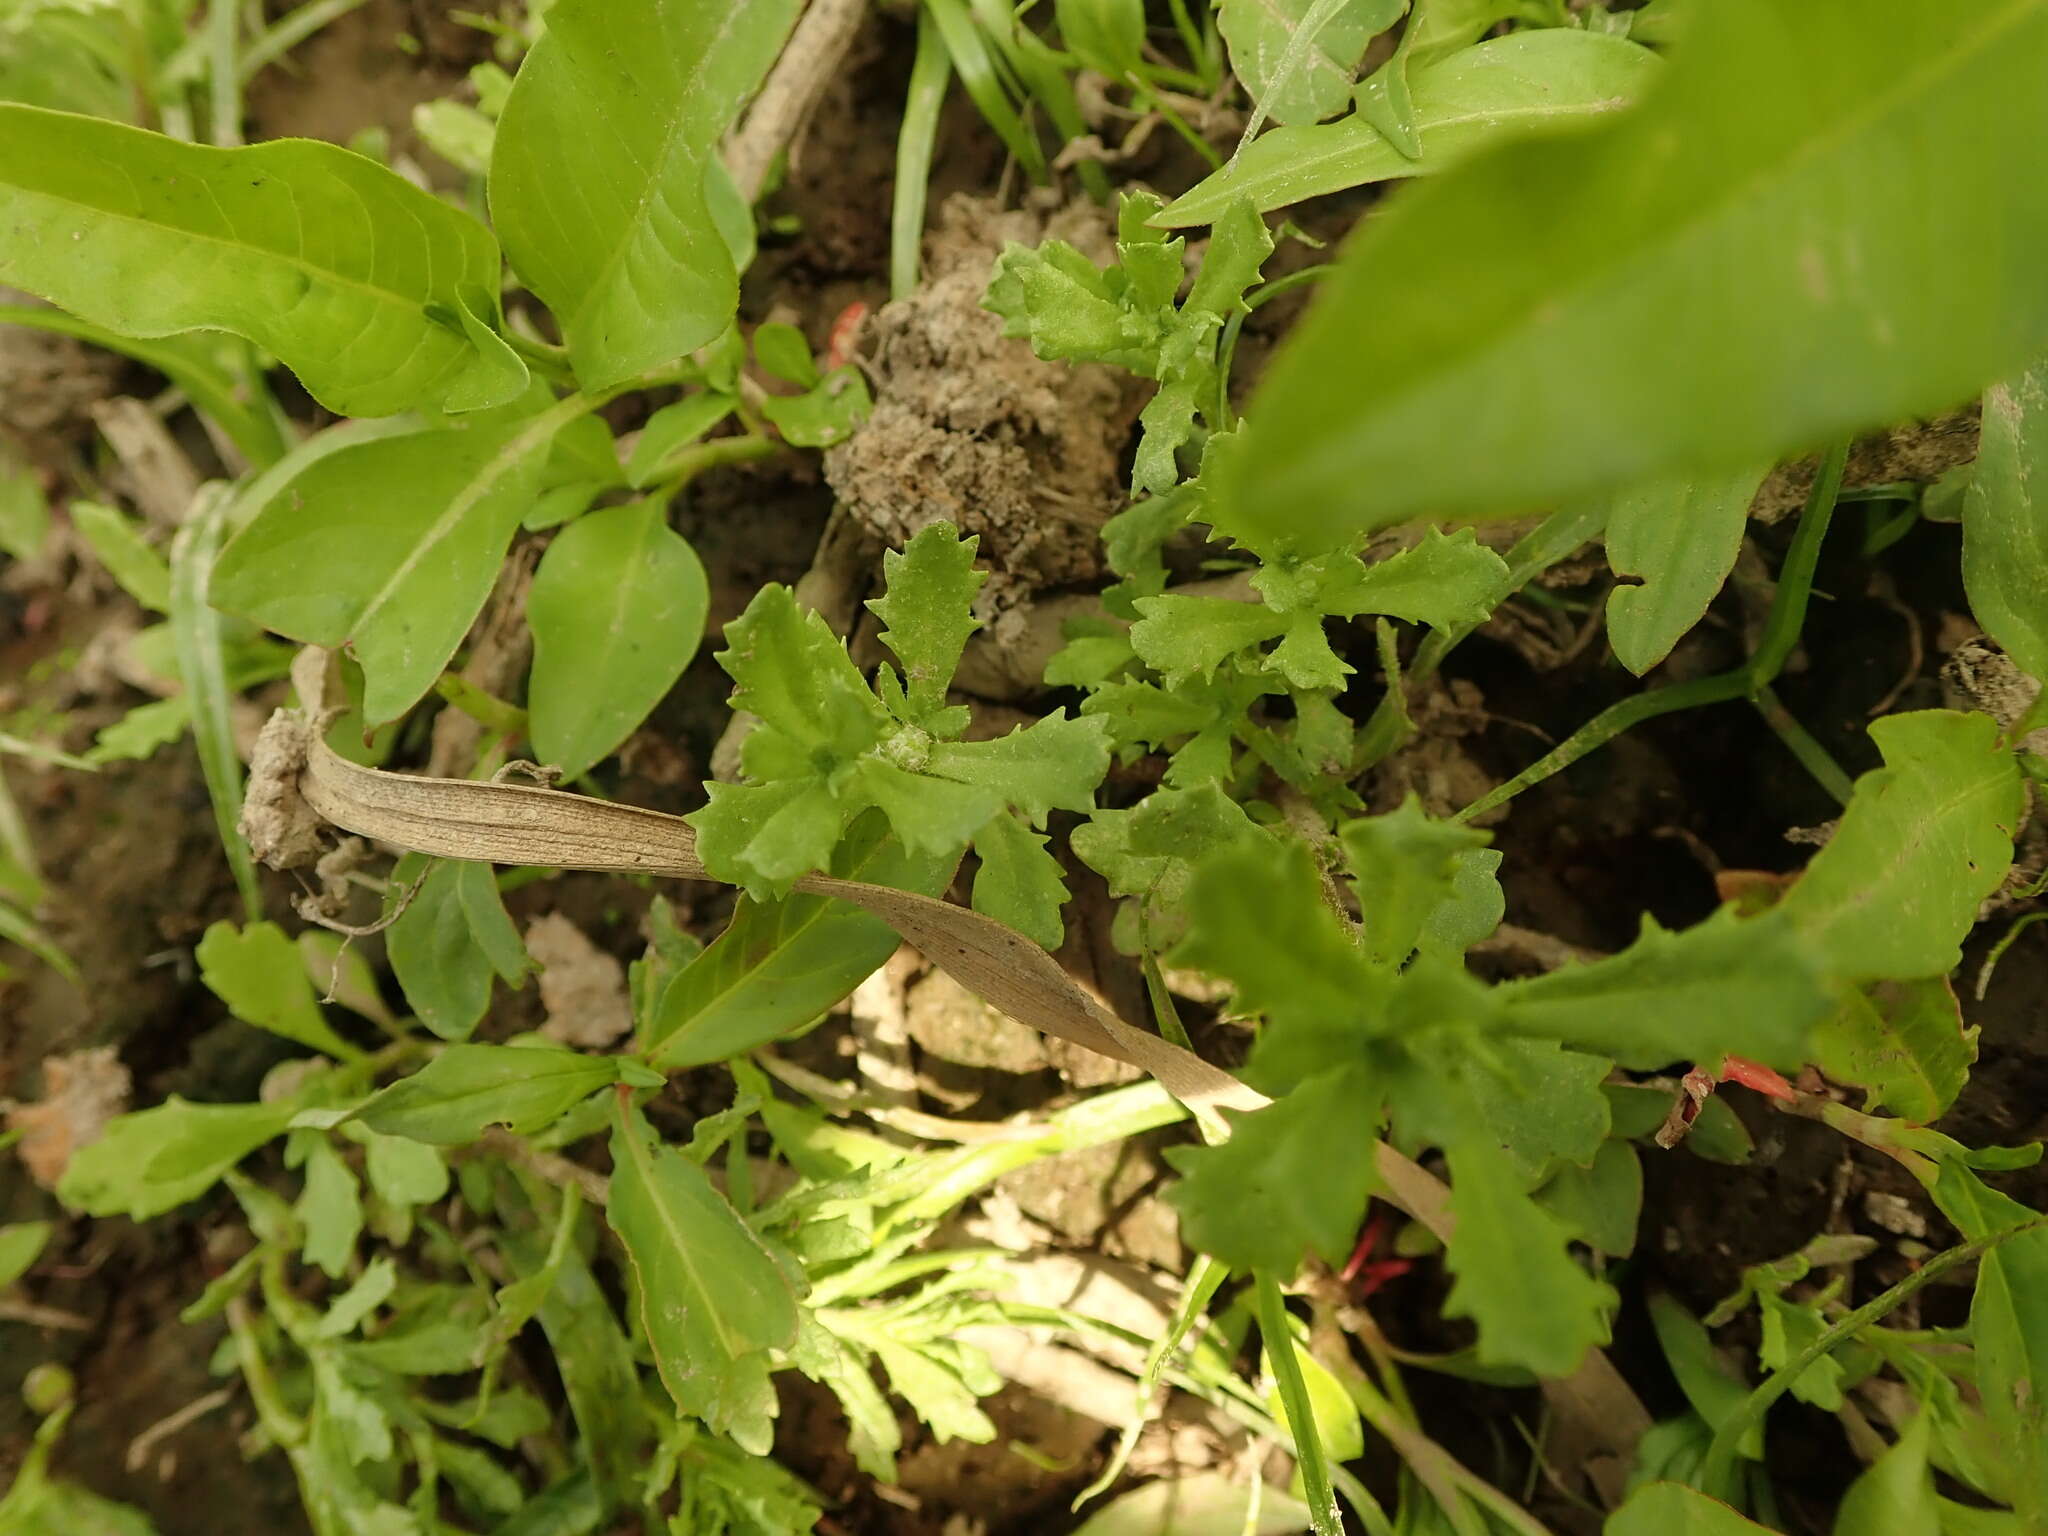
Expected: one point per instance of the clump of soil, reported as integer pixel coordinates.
(970, 427)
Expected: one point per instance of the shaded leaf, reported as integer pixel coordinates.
(1925, 839)
(2005, 520)
(1520, 84)
(1019, 883)
(377, 295)
(1774, 156)
(117, 541)
(1298, 58)
(1515, 1276)
(1671, 1509)
(1903, 1041)
(1681, 538)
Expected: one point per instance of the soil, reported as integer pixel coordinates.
(967, 426)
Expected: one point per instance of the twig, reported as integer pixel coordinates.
(29, 1312)
(809, 61)
(140, 1447)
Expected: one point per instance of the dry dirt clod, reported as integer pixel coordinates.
(970, 427)
(82, 1091)
(281, 829)
(582, 987)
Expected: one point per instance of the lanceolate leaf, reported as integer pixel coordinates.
(1680, 537)
(1746, 986)
(1297, 57)
(406, 534)
(467, 1089)
(597, 180)
(1512, 86)
(617, 608)
(711, 1298)
(1903, 1041)
(781, 964)
(378, 295)
(2005, 520)
(150, 1161)
(1672, 1509)
(1925, 839)
(1718, 269)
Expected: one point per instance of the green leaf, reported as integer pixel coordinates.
(2005, 520)
(403, 1173)
(155, 1159)
(1182, 637)
(1601, 1204)
(1256, 918)
(258, 973)
(1106, 35)
(616, 608)
(1152, 850)
(142, 732)
(24, 510)
(1895, 1496)
(467, 1089)
(1404, 869)
(1292, 1179)
(926, 611)
(1709, 1383)
(672, 429)
(20, 1245)
(1515, 1276)
(1925, 839)
(598, 179)
(377, 295)
(1903, 1041)
(407, 534)
(450, 941)
(330, 1208)
(779, 965)
(118, 543)
(1444, 581)
(1298, 58)
(2009, 1328)
(1671, 1509)
(790, 669)
(829, 412)
(710, 1296)
(1773, 157)
(1053, 764)
(1199, 1504)
(1471, 911)
(1019, 883)
(1525, 83)
(1680, 537)
(1748, 987)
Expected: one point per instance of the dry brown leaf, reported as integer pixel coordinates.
(82, 1091)
(582, 987)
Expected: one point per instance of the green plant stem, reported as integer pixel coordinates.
(686, 464)
(1265, 293)
(1191, 38)
(1163, 1009)
(931, 70)
(288, 32)
(549, 361)
(1721, 1454)
(1276, 1328)
(1795, 577)
(277, 1420)
(224, 75)
(1752, 680)
(486, 709)
(1799, 741)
